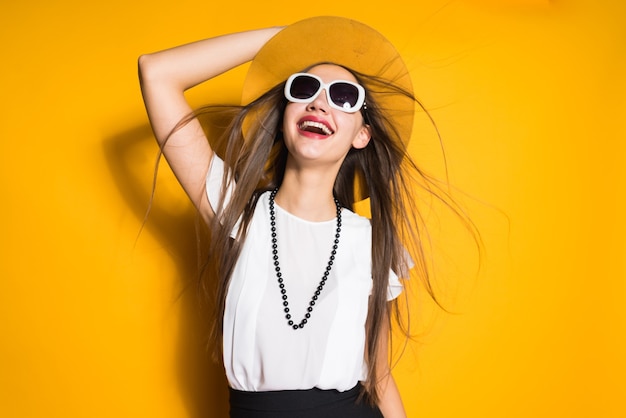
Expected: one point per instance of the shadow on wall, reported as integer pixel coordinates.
(202, 383)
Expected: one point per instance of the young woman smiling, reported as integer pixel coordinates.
(304, 288)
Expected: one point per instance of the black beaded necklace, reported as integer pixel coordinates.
(279, 275)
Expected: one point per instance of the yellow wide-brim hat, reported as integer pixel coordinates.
(345, 42)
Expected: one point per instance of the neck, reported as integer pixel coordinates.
(308, 194)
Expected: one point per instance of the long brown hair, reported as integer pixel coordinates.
(383, 171)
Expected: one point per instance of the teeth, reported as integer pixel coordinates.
(317, 125)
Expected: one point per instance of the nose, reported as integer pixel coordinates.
(320, 103)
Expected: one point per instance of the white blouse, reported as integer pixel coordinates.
(261, 351)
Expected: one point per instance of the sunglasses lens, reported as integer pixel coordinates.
(303, 87)
(344, 95)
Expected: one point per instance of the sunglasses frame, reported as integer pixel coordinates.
(326, 86)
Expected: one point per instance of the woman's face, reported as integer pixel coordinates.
(317, 133)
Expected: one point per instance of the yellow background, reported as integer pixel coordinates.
(529, 98)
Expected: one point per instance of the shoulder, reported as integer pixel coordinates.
(355, 218)
(355, 223)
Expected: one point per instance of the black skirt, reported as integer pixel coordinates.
(312, 403)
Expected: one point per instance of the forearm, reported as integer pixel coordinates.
(165, 75)
(188, 65)
(390, 403)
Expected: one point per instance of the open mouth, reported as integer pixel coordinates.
(315, 127)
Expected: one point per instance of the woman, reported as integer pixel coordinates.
(304, 286)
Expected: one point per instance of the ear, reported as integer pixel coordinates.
(362, 137)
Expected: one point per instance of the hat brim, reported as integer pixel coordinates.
(344, 42)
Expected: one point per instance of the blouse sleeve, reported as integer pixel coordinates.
(395, 287)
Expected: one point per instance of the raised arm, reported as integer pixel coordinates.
(164, 77)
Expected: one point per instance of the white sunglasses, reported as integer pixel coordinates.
(343, 95)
